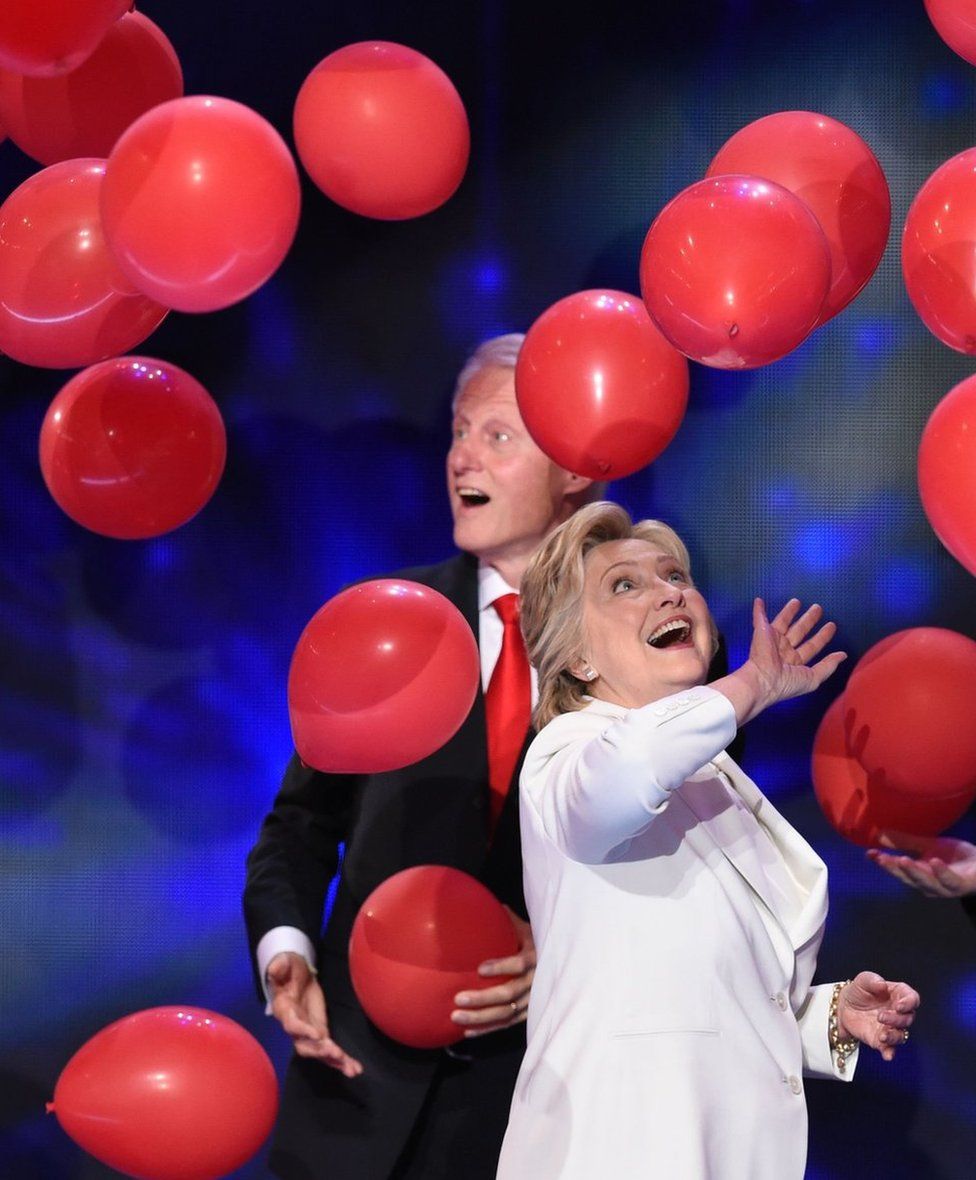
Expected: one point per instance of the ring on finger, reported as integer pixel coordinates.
(514, 1006)
(904, 1036)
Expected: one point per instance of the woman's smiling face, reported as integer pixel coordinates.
(647, 630)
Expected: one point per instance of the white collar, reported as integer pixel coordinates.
(491, 585)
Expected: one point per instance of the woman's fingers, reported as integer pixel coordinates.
(801, 627)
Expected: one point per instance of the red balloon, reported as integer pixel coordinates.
(383, 675)
(908, 708)
(48, 37)
(938, 252)
(734, 271)
(947, 472)
(83, 113)
(132, 447)
(200, 203)
(63, 300)
(382, 131)
(169, 1094)
(836, 175)
(417, 941)
(599, 388)
(955, 22)
(861, 806)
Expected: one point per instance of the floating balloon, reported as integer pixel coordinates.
(169, 1094)
(734, 271)
(48, 37)
(382, 131)
(200, 203)
(861, 806)
(132, 447)
(383, 675)
(63, 300)
(599, 388)
(83, 113)
(908, 708)
(836, 175)
(947, 472)
(938, 252)
(417, 941)
(955, 22)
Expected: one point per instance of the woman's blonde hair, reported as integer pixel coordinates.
(551, 597)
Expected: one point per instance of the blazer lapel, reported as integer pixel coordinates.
(805, 866)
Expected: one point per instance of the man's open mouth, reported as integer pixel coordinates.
(472, 497)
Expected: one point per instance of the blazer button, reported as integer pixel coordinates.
(795, 1084)
(781, 1001)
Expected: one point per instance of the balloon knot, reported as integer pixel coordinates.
(49, 1108)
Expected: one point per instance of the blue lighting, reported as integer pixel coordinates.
(823, 545)
(489, 276)
(271, 328)
(964, 1003)
(905, 587)
(782, 495)
(160, 555)
(872, 337)
(944, 94)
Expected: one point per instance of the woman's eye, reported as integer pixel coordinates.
(622, 584)
(677, 576)
(501, 436)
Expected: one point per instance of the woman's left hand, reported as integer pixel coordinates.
(487, 1009)
(876, 1012)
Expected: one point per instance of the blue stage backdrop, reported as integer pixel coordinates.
(143, 703)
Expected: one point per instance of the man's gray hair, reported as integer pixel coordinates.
(500, 352)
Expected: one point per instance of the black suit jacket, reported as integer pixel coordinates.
(434, 812)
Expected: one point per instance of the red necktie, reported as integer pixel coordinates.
(508, 705)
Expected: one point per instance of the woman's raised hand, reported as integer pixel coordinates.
(780, 659)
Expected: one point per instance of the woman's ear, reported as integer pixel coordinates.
(582, 671)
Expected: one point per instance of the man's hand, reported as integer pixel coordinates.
(298, 1003)
(486, 1009)
(876, 1012)
(938, 866)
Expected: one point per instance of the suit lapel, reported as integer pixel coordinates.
(719, 826)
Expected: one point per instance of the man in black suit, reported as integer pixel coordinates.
(355, 1103)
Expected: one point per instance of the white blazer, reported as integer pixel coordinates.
(677, 917)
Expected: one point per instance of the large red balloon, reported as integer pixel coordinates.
(947, 472)
(599, 388)
(861, 806)
(836, 175)
(382, 131)
(734, 271)
(938, 252)
(63, 300)
(200, 203)
(169, 1093)
(84, 112)
(908, 708)
(417, 941)
(132, 447)
(955, 22)
(47, 37)
(383, 675)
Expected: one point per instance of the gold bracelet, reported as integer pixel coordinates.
(843, 1048)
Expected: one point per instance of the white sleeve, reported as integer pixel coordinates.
(592, 795)
(275, 942)
(812, 1018)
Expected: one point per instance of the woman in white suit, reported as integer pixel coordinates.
(677, 916)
